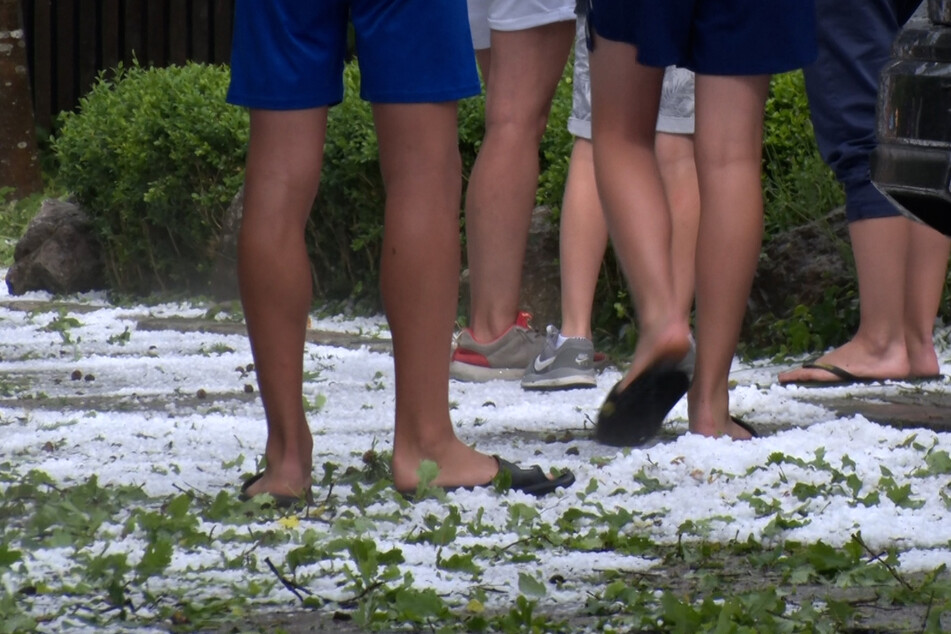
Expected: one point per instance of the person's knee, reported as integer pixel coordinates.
(516, 125)
(728, 153)
(425, 175)
(290, 175)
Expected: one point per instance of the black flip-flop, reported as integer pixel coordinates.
(532, 480)
(746, 426)
(842, 377)
(632, 416)
(280, 501)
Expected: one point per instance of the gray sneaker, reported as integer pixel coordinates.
(505, 358)
(562, 368)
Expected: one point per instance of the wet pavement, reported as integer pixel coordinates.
(927, 406)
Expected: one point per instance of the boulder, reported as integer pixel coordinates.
(58, 253)
(799, 265)
(541, 275)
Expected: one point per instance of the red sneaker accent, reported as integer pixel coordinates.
(468, 356)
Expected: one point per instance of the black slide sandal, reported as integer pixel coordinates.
(633, 416)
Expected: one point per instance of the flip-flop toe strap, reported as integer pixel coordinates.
(843, 374)
(533, 479)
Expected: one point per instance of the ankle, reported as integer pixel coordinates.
(575, 328)
(574, 333)
(458, 464)
(293, 461)
(883, 346)
(562, 339)
(415, 446)
(922, 360)
(672, 340)
(494, 327)
(920, 345)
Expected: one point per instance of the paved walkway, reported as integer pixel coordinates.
(929, 409)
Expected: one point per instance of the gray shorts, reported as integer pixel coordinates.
(676, 101)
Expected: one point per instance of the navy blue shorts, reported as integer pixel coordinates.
(712, 37)
(289, 54)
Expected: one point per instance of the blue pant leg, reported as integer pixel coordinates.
(855, 39)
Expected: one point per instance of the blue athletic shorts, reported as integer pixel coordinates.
(289, 54)
(712, 37)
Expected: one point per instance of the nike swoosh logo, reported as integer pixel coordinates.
(542, 365)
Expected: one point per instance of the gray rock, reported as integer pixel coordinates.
(57, 253)
(801, 264)
(541, 273)
(541, 276)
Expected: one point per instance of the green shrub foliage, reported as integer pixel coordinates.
(797, 184)
(155, 156)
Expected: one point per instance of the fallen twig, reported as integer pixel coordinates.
(290, 585)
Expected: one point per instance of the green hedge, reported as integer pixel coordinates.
(797, 185)
(155, 156)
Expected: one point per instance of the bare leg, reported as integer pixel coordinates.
(584, 230)
(525, 67)
(925, 275)
(283, 172)
(678, 171)
(625, 98)
(583, 240)
(728, 154)
(880, 246)
(421, 167)
(901, 267)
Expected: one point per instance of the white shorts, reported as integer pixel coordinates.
(514, 15)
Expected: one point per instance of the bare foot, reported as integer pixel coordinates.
(280, 486)
(857, 360)
(719, 429)
(923, 363)
(289, 464)
(672, 342)
(459, 466)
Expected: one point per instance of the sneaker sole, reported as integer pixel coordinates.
(573, 383)
(480, 374)
(567, 381)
